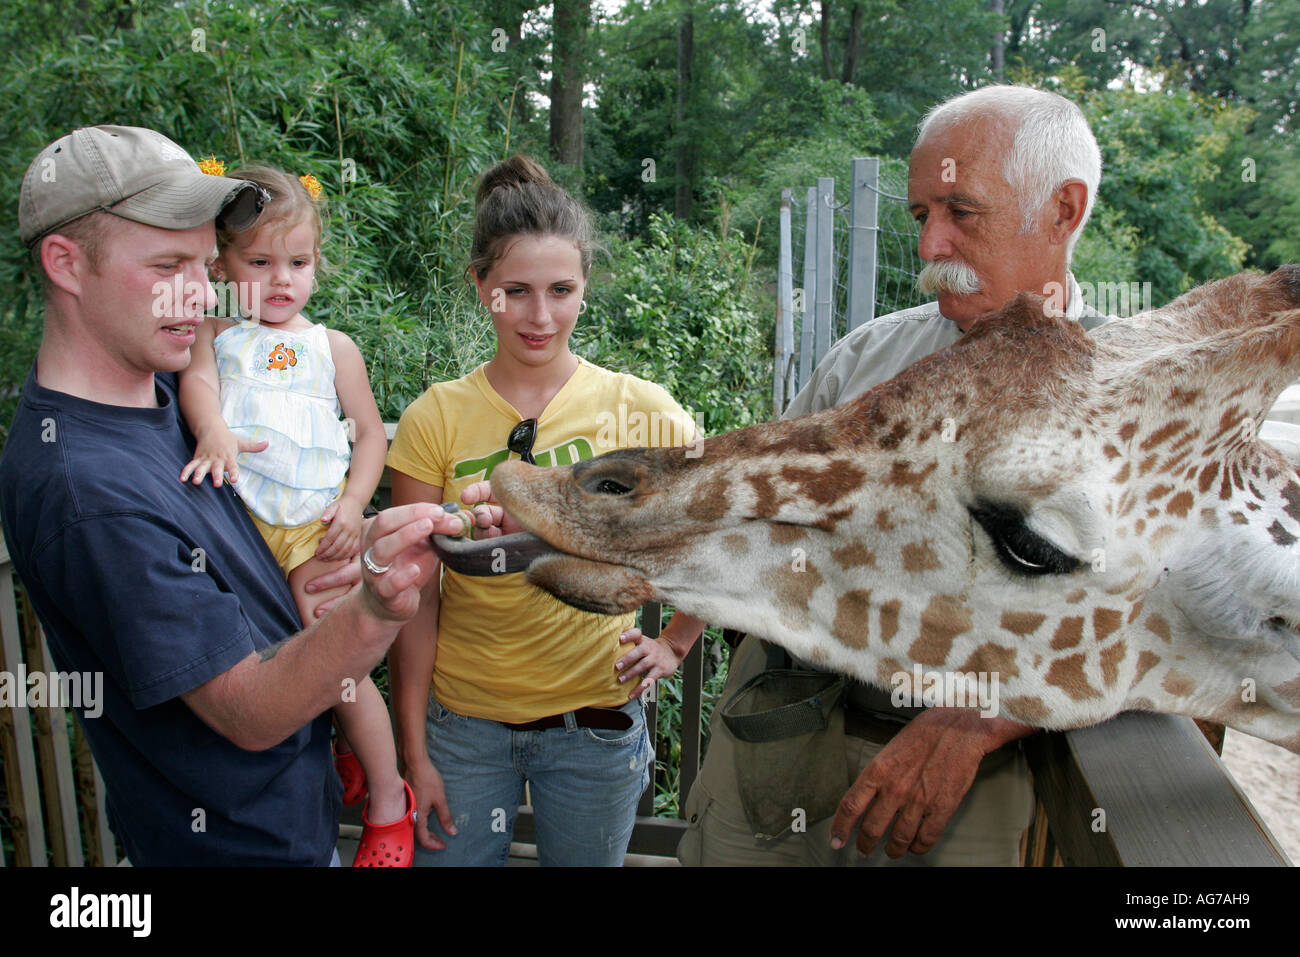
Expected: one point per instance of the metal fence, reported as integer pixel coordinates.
(858, 260)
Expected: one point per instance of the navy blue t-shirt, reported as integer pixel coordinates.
(161, 586)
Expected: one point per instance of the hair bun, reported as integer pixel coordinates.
(517, 171)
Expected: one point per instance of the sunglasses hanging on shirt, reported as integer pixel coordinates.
(521, 440)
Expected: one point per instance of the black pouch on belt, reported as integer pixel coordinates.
(790, 756)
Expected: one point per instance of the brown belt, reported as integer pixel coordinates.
(871, 726)
(607, 719)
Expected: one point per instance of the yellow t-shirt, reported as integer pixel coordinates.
(507, 650)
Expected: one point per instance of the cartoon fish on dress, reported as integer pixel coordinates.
(281, 357)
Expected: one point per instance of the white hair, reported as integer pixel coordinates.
(1053, 143)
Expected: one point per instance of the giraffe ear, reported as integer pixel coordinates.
(1218, 356)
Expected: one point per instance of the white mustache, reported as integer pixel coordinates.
(942, 276)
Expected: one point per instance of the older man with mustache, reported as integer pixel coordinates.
(1001, 181)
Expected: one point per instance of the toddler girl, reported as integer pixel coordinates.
(262, 398)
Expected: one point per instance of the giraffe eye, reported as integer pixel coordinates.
(1020, 549)
(610, 487)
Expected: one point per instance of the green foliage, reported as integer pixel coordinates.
(679, 308)
(1161, 152)
(305, 88)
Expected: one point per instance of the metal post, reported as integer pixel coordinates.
(862, 241)
(784, 312)
(806, 357)
(825, 317)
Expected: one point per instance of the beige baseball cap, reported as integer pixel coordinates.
(131, 172)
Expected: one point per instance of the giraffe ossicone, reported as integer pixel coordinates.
(1090, 517)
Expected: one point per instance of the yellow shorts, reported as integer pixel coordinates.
(291, 546)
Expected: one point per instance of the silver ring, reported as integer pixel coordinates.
(369, 562)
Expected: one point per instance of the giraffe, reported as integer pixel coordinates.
(1089, 517)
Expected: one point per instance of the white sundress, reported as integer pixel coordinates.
(279, 386)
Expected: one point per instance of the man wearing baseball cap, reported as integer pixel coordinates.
(213, 729)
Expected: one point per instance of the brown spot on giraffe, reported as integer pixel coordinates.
(1159, 491)
(825, 485)
(943, 619)
(1127, 502)
(1161, 533)
(1181, 397)
(1139, 526)
(1209, 518)
(792, 591)
(1291, 492)
(1162, 434)
(1122, 475)
(990, 659)
(1239, 518)
(1134, 612)
(780, 533)
(1180, 504)
(902, 475)
(1127, 431)
(710, 502)
(851, 626)
(894, 437)
(1076, 596)
(1105, 621)
(1067, 674)
(1110, 451)
(1253, 506)
(1289, 690)
(854, 555)
(883, 521)
(1147, 464)
(1021, 623)
(1159, 626)
(1146, 661)
(736, 543)
(1110, 659)
(1068, 633)
(1178, 684)
(1225, 487)
(1028, 709)
(767, 501)
(1280, 534)
(889, 619)
(919, 557)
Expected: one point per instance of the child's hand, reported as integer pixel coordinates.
(343, 540)
(217, 451)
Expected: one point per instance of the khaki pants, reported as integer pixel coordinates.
(985, 829)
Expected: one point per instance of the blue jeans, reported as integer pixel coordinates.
(584, 783)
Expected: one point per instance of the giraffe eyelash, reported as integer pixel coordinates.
(1020, 549)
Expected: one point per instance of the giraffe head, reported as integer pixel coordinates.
(1090, 517)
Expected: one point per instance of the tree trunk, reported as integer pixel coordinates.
(568, 62)
(851, 48)
(996, 61)
(827, 73)
(685, 158)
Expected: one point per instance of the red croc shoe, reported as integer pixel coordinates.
(388, 845)
(352, 774)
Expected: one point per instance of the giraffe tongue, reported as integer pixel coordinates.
(502, 555)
